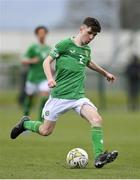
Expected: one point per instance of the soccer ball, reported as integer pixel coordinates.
(77, 158)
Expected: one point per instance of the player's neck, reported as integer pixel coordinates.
(77, 40)
(42, 43)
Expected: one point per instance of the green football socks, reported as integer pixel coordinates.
(32, 125)
(97, 141)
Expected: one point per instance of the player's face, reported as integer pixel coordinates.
(41, 35)
(87, 35)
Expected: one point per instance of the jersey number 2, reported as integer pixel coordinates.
(81, 59)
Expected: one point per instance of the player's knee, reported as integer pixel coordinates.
(96, 121)
(46, 131)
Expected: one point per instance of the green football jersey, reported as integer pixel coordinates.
(36, 73)
(71, 62)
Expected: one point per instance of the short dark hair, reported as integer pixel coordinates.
(40, 27)
(93, 23)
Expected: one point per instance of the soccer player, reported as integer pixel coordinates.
(36, 80)
(72, 56)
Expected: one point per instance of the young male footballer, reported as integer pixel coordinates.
(72, 56)
(36, 82)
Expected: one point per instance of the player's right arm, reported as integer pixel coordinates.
(47, 69)
(55, 53)
(30, 61)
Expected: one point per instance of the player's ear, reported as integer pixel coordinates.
(82, 27)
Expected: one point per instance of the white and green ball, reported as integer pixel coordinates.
(77, 158)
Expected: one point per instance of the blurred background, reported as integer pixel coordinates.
(115, 47)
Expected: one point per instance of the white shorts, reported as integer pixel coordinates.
(32, 88)
(55, 107)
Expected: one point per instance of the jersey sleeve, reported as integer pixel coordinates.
(59, 49)
(30, 52)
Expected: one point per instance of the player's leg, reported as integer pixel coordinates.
(47, 128)
(90, 113)
(101, 158)
(44, 92)
(30, 90)
(44, 129)
(23, 77)
(87, 110)
(27, 104)
(52, 109)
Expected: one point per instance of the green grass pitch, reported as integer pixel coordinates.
(34, 157)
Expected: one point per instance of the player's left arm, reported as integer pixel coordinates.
(92, 65)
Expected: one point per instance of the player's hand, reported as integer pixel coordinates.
(51, 83)
(110, 77)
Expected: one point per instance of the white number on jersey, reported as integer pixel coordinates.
(81, 59)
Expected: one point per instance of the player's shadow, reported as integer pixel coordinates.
(74, 169)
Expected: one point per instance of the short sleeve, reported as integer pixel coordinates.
(59, 49)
